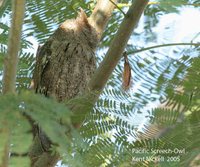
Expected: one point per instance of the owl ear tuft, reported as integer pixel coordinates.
(82, 17)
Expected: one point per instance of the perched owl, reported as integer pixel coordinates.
(64, 66)
(66, 62)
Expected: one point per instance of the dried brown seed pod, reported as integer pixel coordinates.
(127, 73)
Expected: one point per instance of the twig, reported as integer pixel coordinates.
(163, 45)
(118, 7)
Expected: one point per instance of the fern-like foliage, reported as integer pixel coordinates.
(16, 122)
(120, 130)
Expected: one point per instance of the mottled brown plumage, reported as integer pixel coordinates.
(64, 66)
(66, 62)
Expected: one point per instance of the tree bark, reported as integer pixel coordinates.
(101, 15)
(1, 3)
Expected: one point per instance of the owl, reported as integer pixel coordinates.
(66, 62)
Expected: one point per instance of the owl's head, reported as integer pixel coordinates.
(81, 29)
(77, 24)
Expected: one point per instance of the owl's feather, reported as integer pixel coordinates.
(66, 62)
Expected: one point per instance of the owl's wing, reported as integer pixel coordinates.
(43, 55)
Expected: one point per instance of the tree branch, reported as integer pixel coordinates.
(163, 45)
(110, 61)
(1, 3)
(11, 60)
(101, 15)
(117, 46)
(4, 161)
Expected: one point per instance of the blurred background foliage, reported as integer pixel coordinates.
(119, 117)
